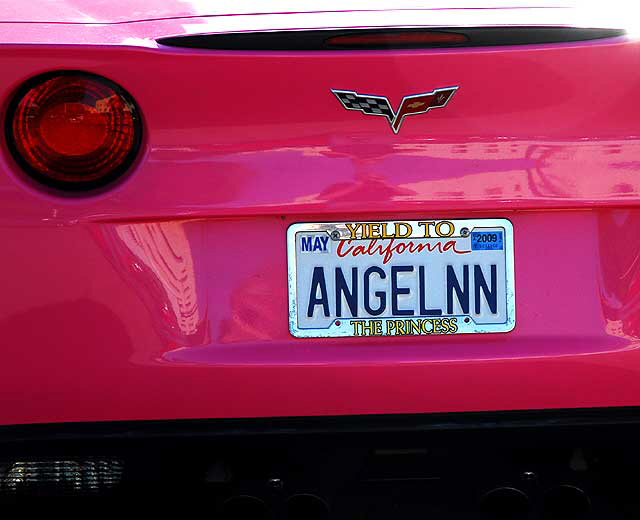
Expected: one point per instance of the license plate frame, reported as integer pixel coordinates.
(449, 230)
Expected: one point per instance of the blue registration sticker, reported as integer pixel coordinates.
(486, 241)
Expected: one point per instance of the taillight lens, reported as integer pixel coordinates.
(73, 130)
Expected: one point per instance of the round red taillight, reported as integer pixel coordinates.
(73, 130)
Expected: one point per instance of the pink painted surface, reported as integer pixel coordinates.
(166, 296)
(100, 12)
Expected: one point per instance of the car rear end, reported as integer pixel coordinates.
(164, 319)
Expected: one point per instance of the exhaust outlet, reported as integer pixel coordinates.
(245, 507)
(566, 502)
(505, 503)
(307, 507)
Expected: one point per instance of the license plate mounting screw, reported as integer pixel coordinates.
(335, 235)
(464, 232)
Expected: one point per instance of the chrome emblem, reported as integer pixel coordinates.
(380, 106)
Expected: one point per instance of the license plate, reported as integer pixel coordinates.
(401, 278)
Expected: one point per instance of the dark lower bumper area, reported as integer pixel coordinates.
(516, 465)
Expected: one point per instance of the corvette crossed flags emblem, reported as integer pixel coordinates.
(380, 106)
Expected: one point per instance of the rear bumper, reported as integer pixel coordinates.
(188, 319)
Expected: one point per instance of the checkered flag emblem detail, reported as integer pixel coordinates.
(370, 105)
(380, 106)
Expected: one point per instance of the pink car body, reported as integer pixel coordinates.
(165, 296)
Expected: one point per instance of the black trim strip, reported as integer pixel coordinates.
(233, 428)
(318, 39)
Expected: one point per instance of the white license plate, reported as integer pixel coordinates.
(401, 278)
